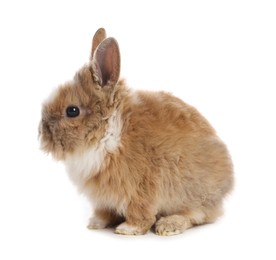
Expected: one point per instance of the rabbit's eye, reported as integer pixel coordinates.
(72, 111)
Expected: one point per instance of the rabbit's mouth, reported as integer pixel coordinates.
(48, 143)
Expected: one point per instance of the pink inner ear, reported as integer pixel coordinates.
(106, 62)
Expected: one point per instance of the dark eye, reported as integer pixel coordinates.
(72, 111)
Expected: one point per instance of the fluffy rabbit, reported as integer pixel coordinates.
(144, 159)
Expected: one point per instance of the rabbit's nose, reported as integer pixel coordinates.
(45, 128)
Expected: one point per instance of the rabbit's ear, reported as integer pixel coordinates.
(99, 36)
(106, 62)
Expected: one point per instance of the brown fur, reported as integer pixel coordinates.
(169, 169)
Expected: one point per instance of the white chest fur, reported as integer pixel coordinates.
(83, 166)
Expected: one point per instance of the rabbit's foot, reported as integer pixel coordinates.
(97, 223)
(172, 225)
(126, 229)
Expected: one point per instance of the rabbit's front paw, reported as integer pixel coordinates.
(126, 229)
(96, 223)
(172, 225)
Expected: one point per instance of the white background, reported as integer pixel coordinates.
(219, 56)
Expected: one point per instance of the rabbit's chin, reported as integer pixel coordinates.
(56, 150)
(48, 146)
(57, 153)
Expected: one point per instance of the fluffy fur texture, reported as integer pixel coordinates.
(144, 159)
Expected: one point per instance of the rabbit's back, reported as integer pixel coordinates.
(169, 155)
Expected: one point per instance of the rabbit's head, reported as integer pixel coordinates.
(75, 116)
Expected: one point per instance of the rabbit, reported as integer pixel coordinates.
(144, 160)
